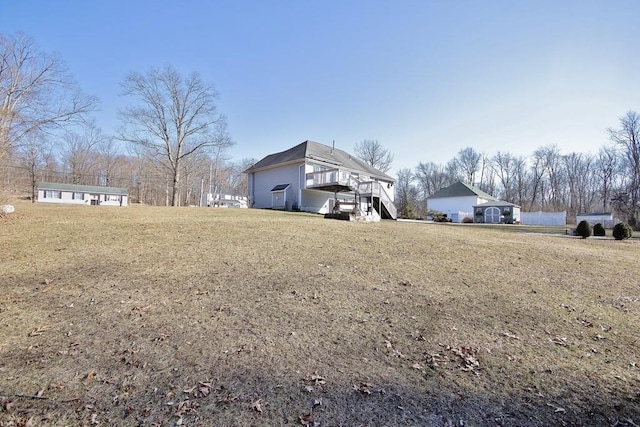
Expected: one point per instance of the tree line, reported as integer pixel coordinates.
(175, 138)
(546, 180)
(176, 147)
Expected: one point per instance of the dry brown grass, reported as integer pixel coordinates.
(159, 316)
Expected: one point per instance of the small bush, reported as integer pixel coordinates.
(598, 230)
(467, 220)
(583, 229)
(622, 231)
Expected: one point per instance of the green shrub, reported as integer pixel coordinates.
(583, 229)
(598, 230)
(622, 231)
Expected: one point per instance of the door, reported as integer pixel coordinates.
(492, 215)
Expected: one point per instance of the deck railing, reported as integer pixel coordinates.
(347, 179)
(329, 176)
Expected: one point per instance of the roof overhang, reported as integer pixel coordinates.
(280, 187)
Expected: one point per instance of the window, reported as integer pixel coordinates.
(110, 198)
(52, 194)
(78, 196)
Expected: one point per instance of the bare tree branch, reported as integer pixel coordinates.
(37, 92)
(374, 154)
(174, 118)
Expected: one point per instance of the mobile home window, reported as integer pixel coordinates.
(78, 196)
(52, 194)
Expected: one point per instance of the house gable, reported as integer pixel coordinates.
(320, 154)
(314, 177)
(460, 189)
(457, 200)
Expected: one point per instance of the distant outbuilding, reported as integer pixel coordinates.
(459, 201)
(73, 194)
(604, 218)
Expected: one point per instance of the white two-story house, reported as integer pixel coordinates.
(314, 177)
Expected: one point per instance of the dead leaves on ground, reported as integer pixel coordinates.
(315, 378)
(39, 331)
(308, 419)
(202, 389)
(257, 405)
(364, 388)
(465, 357)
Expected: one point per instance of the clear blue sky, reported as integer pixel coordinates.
(425, 78)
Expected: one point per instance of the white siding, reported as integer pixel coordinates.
(606, 220)
(67, 198)
(321, 202)
(316, 201)
(262, 182)
(453, 205)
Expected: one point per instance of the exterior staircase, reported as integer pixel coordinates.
(337, 180)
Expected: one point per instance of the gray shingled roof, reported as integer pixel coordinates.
(460, 189)
(497, 204)
(96, 189)
(319, 152)
(280, 187)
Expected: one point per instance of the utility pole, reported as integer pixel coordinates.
(201, 190)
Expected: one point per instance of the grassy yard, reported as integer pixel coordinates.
(188, 316)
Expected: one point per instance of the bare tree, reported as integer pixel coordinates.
(607, 167)
(406, 194)
(33, 156)
(174, 118)
(374, 154)
(453, 172)
(79, 154)
(503, 165)
(538, 170)
(521, 178)
(37, 93)
(579, 183)
(238, 182)
(628, 139)
(487, 177)
(468, 161)
(109, 162)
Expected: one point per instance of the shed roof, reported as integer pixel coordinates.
(322, 153)
(603, 214)
(96, 189)
(497, 204)
(460, 189)
(280, 187)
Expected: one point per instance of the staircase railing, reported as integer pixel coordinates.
(342, 177)
(379, 191)
(376, 190)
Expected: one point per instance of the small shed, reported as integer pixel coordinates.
(73, 194)
(604, 218)
(496, 212)
(279, 199)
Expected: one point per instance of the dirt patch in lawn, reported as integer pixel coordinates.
(159, 316)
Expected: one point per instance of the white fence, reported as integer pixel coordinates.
(543, 218)
(460, 216)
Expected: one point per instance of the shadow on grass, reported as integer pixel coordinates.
(254, 398)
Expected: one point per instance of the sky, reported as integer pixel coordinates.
(424, 78)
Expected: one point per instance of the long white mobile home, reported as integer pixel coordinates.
(73, 194)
